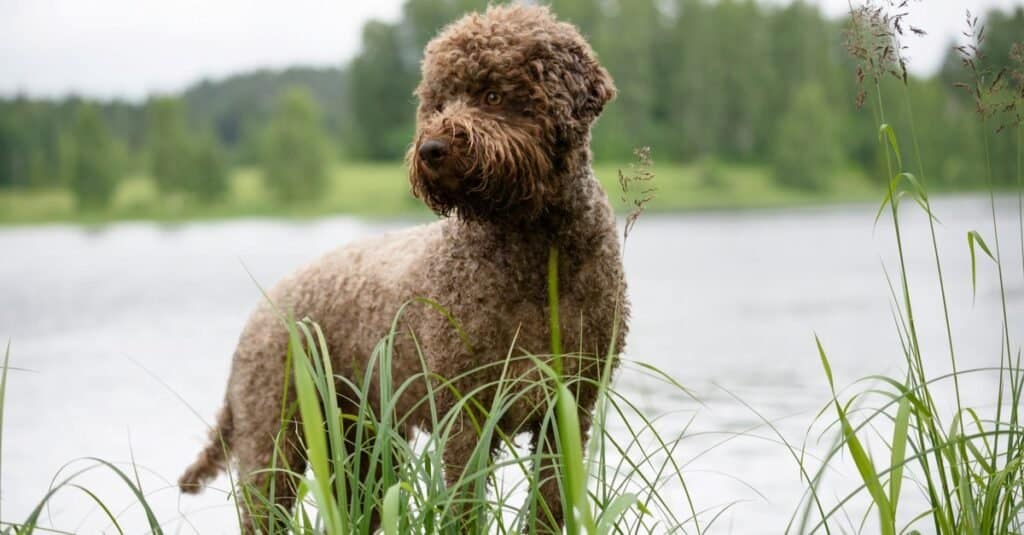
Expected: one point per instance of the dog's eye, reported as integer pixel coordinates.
(492, 98)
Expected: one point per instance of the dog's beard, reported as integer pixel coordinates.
(493, 171)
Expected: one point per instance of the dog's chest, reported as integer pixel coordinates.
(504, 294)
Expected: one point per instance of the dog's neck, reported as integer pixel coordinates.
(581, 221)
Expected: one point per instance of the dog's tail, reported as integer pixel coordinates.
(214, 456)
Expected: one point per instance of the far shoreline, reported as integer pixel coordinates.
(415, 217)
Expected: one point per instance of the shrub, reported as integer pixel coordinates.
(807, 151)
(170, 151)
(295, 153)
(94, 169)
(208, 172)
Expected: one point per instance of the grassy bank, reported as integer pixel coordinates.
(381, 190)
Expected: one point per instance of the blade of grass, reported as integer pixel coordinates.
(3, 395)
(861, 459)
(973, 237)
(103, 506)
(898, 446)
(313, 430)
(553, 303)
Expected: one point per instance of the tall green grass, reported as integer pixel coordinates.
(967, 462)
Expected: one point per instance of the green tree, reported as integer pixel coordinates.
(208, 173)
(698, 104)
(628, 123)
(65, 159)
(10, 150)
(806, 147)
(94, 170)
(383, 107)
(422, 19)
(169, 146)
(295, 154)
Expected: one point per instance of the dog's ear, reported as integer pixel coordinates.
(598, 90)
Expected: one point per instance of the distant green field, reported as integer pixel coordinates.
(382, 190)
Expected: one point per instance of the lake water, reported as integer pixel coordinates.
(121, 337)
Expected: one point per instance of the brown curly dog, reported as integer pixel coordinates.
(506, 103)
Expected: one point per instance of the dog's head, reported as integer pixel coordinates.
(506, 97)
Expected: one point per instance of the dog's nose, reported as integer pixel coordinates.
(433, 150)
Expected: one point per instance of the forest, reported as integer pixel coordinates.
(782, 100)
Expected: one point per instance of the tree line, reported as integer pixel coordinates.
(728, 80)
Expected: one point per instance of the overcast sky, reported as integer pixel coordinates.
(131, 48)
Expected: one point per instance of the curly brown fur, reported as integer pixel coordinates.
(507, 100)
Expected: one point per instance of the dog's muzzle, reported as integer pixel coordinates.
(433, 151)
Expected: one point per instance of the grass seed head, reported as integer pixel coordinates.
(997, 92)
(637, 186)
(873, 39)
